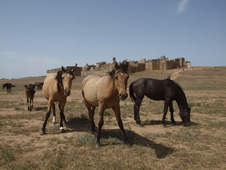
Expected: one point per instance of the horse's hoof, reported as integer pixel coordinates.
(42, 133)
(62, 131)
(141, 125)
(174, 123)
(97, 146)
(126, 141)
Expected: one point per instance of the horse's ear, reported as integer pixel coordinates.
(63, 69)
(125, 64)
(116, 66)
(26, 86)
(73, 69)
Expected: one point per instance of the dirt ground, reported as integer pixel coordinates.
(199, 146)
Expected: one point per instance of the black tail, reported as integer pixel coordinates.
(132, 96)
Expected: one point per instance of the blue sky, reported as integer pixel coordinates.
(36, 35)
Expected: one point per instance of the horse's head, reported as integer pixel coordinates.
(64, 80)
(185, 115)
(30, 88)
(121, 77)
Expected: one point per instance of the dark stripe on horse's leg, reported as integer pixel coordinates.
(100, 125)
(119, 120)
(137, 109)
(171, 113)
(166, 104)
(45, 122)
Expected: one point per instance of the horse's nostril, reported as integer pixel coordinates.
(67, 93)
(123, 96)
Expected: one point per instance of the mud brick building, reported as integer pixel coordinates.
(102, 68)
(77, 71)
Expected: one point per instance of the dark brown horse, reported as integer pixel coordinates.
(30, 93)
(166, 90)
(8, 86)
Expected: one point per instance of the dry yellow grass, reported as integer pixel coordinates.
(200, 146)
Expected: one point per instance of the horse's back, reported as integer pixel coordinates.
(153, 88)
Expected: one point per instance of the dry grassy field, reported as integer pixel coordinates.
(199, 146)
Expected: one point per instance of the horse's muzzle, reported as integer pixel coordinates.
(123, 96)
(67, 93)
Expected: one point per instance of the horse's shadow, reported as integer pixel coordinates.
(159, 122)
(161, 151)
(83, 124)
(78, 124)
(44, 108)
(168, 123)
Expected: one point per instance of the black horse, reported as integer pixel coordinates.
(166, 90)
(8, 86)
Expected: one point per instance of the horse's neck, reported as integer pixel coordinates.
(181, 100)
(111, 86)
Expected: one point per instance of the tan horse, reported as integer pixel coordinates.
(56, 88)
(106, 92)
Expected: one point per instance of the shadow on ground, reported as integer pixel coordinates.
(83, 124)
(161, 151)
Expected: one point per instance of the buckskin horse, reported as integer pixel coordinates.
(106, 92)
(166, 90)
(8, 86)
(30, 93)
(57, 88)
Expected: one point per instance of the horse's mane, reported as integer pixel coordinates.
(180, 90)
(123, 67)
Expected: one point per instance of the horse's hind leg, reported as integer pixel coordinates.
(100, 124)
(54, 113)
(171, 112)
(120, 124)
(91, 110)
(165, 112)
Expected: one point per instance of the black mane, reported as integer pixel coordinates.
(123, 67)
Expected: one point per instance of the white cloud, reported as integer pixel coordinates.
(182, 5)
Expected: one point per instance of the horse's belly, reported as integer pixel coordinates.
(90, 95)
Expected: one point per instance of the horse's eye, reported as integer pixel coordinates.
(116, 78)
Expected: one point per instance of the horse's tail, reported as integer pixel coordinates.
(131, 93)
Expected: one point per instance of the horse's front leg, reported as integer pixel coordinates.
(171, 112)
(30, 104)
(47, 117)
(100, 124)
(117, 111)
(28, 108)
(62, 117)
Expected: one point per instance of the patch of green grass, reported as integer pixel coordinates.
(6, 155)
(85, 139)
